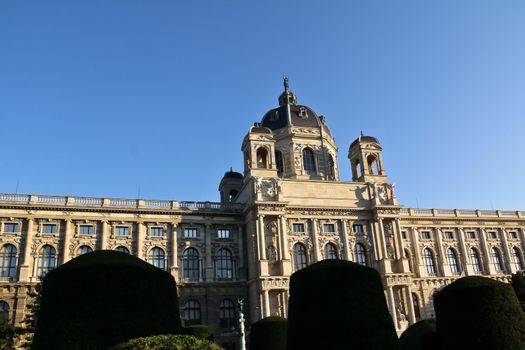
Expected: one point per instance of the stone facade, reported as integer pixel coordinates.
(287, 210)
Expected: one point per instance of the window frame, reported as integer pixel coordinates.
(223, 233)
(122, 228)
(46, 226)
(331, 228)
(8, 261)
(298, 225)
(81, 228)
(194, 230)
(154, 231)
(17, 225)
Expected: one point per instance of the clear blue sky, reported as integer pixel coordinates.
(99, 98)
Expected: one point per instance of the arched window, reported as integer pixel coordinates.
(474, 258)
(360, 254)
(357, 166)
(191, 265)
(496, 259)
(430, 265)
(453, 261)
(157, 258)
(192, 312)
(417, 310)
(299, 256)
(409, 258)
(516, 257)
(308, 160)
(122, 249)
(279, 162)
(84, 249)
(262, 158)
(331, 167)
(4, 308)
(372, 165)
(46, 260)
(227, 317)
(330, 251)
(8, 261)
(224, 265)
(232, 195)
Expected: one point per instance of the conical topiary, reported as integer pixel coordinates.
(337, 304)
(269, 334)
(103, 298)
(479, 313)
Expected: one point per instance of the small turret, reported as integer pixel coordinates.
(366, 160)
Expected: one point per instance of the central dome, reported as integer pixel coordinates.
(299, 116)
(290, 113)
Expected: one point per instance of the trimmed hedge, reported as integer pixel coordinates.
(269, 334)
(518, 283)
(337, 304)
(479, 313)
(167, 341)
(103, 298)
(420, 336)
(200, 331)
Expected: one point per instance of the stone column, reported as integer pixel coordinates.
(104, 234)
(315, 240)
(285, 303)
(442, 260)
(140, 240)
(398, 241)
(344, 238)
(508, 265)
(209, 270)
(285, 252)
(418, 266)
(376, 240)
(410, 302)
(466, 266)
(384, 252)
(266, 304)
(241, 247)
(26, 268)
(66, 242)
(260, 238)
(391, 305)
(485, 249)
(173, 244)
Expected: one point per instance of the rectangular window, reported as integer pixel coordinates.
(49, 228)
(404, 234)
(425, 234)
(471, 234)
(223, 233)
(449, 235)
(329, 228)
(86, 229)
(298, 227)
(513, 235)
(493, 235)
(121, 231)
(190, 232)
(10, 227)
(156, 232)
(357, 228)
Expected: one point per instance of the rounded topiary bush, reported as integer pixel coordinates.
(337, 304)
(479, 313)
(420, 336)
(200, 331)
(169, 341)
(103, 298)
(518, 284)
(269, 334)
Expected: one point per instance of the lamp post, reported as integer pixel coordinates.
(241, 324)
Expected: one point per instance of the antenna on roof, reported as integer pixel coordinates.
(231, 170)
(17, 183)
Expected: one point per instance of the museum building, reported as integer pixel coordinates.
(288, 209)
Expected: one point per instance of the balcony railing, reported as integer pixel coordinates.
(72, 201)
(461, 213)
